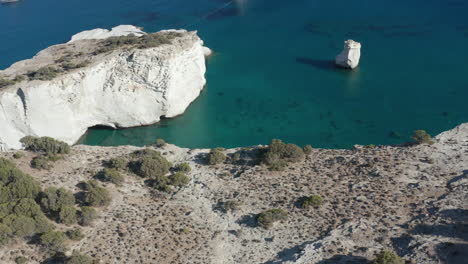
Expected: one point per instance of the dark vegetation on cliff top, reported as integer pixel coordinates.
(71, 61)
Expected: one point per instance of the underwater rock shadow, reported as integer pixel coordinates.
(328, 65)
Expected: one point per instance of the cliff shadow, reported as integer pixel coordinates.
(452, 253)
(343, 259)
(288, 254)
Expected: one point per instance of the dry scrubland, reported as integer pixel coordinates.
(409, 199)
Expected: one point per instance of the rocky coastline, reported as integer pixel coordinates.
(410, 199)
(118, 78)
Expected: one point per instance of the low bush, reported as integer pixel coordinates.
(44, 73)
(422, 137)
(314, 201)
(179, 179)
(267, 218)
(6, 82)
(160, 143)
(112, 175)
(229, 205)
(21, 260)
(216, 156)
(150, 164)
(307, 149)
(75, 234)
(183, 167)
(97, 196)
(18, 155)
(45, 145)
(67, 215)
(5, 234)
(279, 154)
(80, 259)
(388, 257)
(53, 241)
(117, 163)
(236, 157)
(40, 163)
(87, 215)
(53, 200)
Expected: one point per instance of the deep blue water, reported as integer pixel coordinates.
(272, 75)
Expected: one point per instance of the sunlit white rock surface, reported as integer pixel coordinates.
(350, 56)
(125, 88)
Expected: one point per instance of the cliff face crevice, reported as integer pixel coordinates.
(122, 88)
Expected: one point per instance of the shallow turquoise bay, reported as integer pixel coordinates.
(272, 75)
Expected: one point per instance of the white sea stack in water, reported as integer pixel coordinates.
(101, 84)
(349, 57)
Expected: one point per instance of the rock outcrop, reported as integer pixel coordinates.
(99, 33)
(349, 57)
(123, 87)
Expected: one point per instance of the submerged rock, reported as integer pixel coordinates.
(134, 81)
(349, 57)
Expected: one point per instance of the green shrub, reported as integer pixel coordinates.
(117, 163)
(14, 184)
(113, 175)
(45, 145)
(97, 196)
(21, 260)
(278, 154)
(40, 163)
(75, 234)
(278, 165)
(53, 241)
(6, 82)
(54, 158)
(216, 156)
(179, 179)
(183, 167)
(307, 149)
(18, 155)
(388, 257)
(160, 143)
(44, 73)
(87, 215)
(422, 137)
(267, 218)
(80, 259)
(20, 225)
(311, 201)
(67, 215)
(26, 207)
(5, 234)
(229, 205)
(151, 164)
(236, 157)
(53, 200)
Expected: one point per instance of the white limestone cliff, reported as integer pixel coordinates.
(350, 56)
(125, 88)
(99, 33)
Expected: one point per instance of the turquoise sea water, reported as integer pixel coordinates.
(272, 75)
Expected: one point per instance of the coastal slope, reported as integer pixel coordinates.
(410, 199)
(116, 82)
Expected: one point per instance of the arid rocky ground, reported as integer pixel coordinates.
(411, 199)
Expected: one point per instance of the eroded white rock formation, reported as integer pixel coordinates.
(99, 33)
(350, 56)
(125, 88)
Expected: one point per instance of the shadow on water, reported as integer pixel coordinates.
(317, 63)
